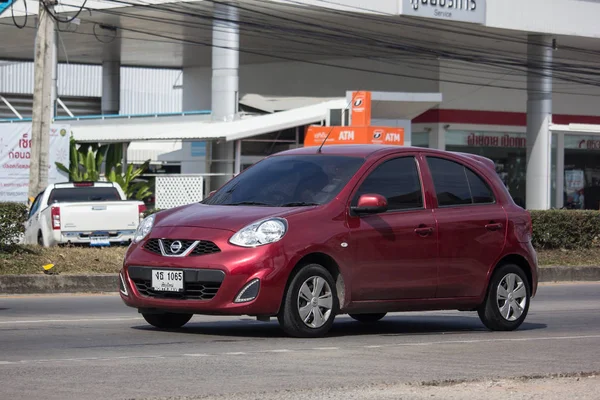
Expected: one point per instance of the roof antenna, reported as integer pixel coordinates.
(329, 133)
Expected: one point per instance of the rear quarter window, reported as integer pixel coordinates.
(455, 184)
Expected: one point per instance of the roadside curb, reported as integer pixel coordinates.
(106, 283)
(46, 284)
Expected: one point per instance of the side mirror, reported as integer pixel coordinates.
(371, 204)
(211, 193)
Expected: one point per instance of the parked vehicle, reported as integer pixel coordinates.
(362, 230)
(89, 213)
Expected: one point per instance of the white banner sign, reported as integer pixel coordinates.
(15, 152)
(450, 10)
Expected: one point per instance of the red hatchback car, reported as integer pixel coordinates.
(305, 235)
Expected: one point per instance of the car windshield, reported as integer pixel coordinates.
(289, 181)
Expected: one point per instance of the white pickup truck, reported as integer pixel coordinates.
(89, 213)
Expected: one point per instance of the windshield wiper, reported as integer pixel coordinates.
(249, 203)
(299, 204)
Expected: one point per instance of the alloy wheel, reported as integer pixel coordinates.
(511, 297)
(315, 302)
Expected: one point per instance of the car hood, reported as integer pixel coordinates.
(232, 218)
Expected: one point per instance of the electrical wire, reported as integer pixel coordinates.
(340, 39)
(518, 64)
(67, 21)
(12, 13)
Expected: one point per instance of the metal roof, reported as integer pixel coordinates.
(199, 127)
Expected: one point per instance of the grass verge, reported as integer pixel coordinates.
(82, 260)
(67, 260)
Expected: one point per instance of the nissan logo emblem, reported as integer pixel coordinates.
(176, 247)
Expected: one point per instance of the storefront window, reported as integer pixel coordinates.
(507, 150)
(420, 139)
(582, 172)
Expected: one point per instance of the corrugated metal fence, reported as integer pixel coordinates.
(143, 90)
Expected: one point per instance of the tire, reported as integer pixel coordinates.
(518, 300)
(40, 239)
(319, 311)
(167, 320)
(367, 318)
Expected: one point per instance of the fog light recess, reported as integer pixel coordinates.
(122, 286)
(248, 292)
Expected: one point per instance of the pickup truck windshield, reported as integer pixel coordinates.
(83, 194)
(288, 181)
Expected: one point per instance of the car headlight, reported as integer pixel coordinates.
(144, 228)
(260, 233)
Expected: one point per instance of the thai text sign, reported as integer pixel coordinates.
(15, 153)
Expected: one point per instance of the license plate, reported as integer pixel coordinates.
(99, 240)
(167, 281)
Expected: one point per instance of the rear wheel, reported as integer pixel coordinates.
(167, 320)
(310, 303)
(507, 300)
(368, 318)
(40, 239)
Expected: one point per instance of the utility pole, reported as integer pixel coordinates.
(42, 112)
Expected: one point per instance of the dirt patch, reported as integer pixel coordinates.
(579, 258)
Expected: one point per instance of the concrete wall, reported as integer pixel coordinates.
(476, 93)
(464, 86)
(304, 79)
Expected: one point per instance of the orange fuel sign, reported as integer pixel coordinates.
(315, 135)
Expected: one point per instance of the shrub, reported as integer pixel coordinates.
(12, 223)
(566, 229)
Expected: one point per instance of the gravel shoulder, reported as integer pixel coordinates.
(578, 387)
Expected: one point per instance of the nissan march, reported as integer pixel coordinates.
(307, 234)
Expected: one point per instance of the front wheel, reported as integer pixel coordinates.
(507, 301)
(367, 318)
(310, 303)
(167, 320)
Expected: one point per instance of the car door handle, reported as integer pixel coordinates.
(493, 226)
(424, 231)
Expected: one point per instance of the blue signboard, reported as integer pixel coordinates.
(4, 4)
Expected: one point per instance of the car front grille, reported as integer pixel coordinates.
(192, 291)
(198, 284)
(201, 247)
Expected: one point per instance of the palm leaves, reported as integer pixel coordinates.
(86, 165)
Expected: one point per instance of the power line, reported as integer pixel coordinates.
(256, 27)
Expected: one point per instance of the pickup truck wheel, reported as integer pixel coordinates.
(310, 303)
(167, 320)
(40, 239)
(507, 301)
(367, 318)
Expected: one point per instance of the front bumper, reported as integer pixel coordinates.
(211, 282)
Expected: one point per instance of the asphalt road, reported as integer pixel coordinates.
(93, 347)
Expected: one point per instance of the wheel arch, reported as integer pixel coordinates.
(520, 262)
(330, 264)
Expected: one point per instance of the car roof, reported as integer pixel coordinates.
(368, 150)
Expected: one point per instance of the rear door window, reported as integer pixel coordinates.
(455, 184)
(83, 194)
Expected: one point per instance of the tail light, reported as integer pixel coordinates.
(142, 209)
(55, 214)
